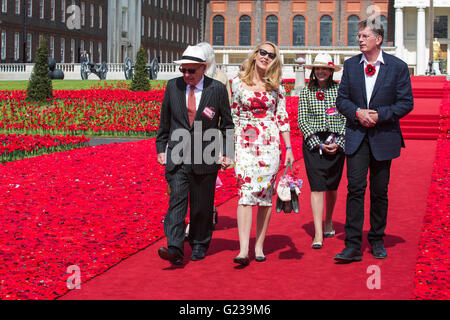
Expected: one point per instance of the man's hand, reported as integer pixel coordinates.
(368, 118)
(162, 158)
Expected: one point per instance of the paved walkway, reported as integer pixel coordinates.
(96, 141)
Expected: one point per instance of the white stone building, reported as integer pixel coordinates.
(412, 33)
(124, 36)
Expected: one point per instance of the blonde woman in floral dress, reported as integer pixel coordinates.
(259, 115)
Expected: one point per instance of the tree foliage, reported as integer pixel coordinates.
(40, 85)
(141, 81)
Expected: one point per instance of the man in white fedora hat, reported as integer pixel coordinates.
(192, 105)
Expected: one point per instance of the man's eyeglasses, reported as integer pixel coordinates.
(190, 71)
(263, 53)
(363, 37)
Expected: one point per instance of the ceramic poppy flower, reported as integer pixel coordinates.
(320, 95)
(370, 70)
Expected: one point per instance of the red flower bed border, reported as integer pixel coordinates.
(433, 268)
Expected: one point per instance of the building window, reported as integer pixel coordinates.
(63, 11)
(63, 49)
(52, 10)
(83, 13)
(92, 10)
(72, 50)
(41, 9)
(30, 8)
(142, 26)
(218, 31)
(29, 48)
(384, 23)
(4, 6)
(245, 30)
(100, 51)
(272, 29)
(16, 46)
(352, 30)
(3, 51)
(124, 23)
(100, 17)
(326, 31)
(440, 27)
(298, 30)
(91, 51)
(18, 6)
(52, 47)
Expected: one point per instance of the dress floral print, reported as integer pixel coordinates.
(258, 117)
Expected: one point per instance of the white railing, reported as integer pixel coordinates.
(22, 71)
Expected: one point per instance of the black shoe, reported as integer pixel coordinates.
(279, 205)
(348, 255)
(242, 261)
(260, 259)
(170, 255)
(378, 251)
(198, 254)
(295, 204)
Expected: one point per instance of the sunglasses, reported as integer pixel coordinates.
(189, 71)
(263, 53)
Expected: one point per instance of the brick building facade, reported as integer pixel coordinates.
(25, 22)
(178, 22)
(292, 23)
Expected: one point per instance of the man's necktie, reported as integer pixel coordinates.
(191, 107)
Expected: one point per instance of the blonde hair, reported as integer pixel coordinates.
(272, 78)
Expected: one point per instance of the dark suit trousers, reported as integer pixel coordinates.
(358, 165)
(198, 191)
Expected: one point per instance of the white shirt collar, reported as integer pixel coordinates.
(379, 58)
(199, 85)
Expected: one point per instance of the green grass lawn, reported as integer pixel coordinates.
(69, 84)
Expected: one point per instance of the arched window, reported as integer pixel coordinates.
(352, 30)
(384, 23)
(245, 30)
(298, 30)
(272, 29)
(218, 31)
(326, 31)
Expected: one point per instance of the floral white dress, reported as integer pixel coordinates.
(258, 117)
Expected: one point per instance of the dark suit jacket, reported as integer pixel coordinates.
(392, 98)
(174, 116)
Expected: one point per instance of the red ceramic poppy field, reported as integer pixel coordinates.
(95, 206)
(116, 112)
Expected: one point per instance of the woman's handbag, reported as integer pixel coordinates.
(288, 190)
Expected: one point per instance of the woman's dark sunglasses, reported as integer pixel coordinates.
(190, 71)
(263, 53)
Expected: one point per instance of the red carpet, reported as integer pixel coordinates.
(293, 270)
(423, 122)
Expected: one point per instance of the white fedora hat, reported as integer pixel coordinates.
(323, 60)
(192, 54)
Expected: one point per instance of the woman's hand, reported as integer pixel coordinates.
(331, 148)
(289, 157)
